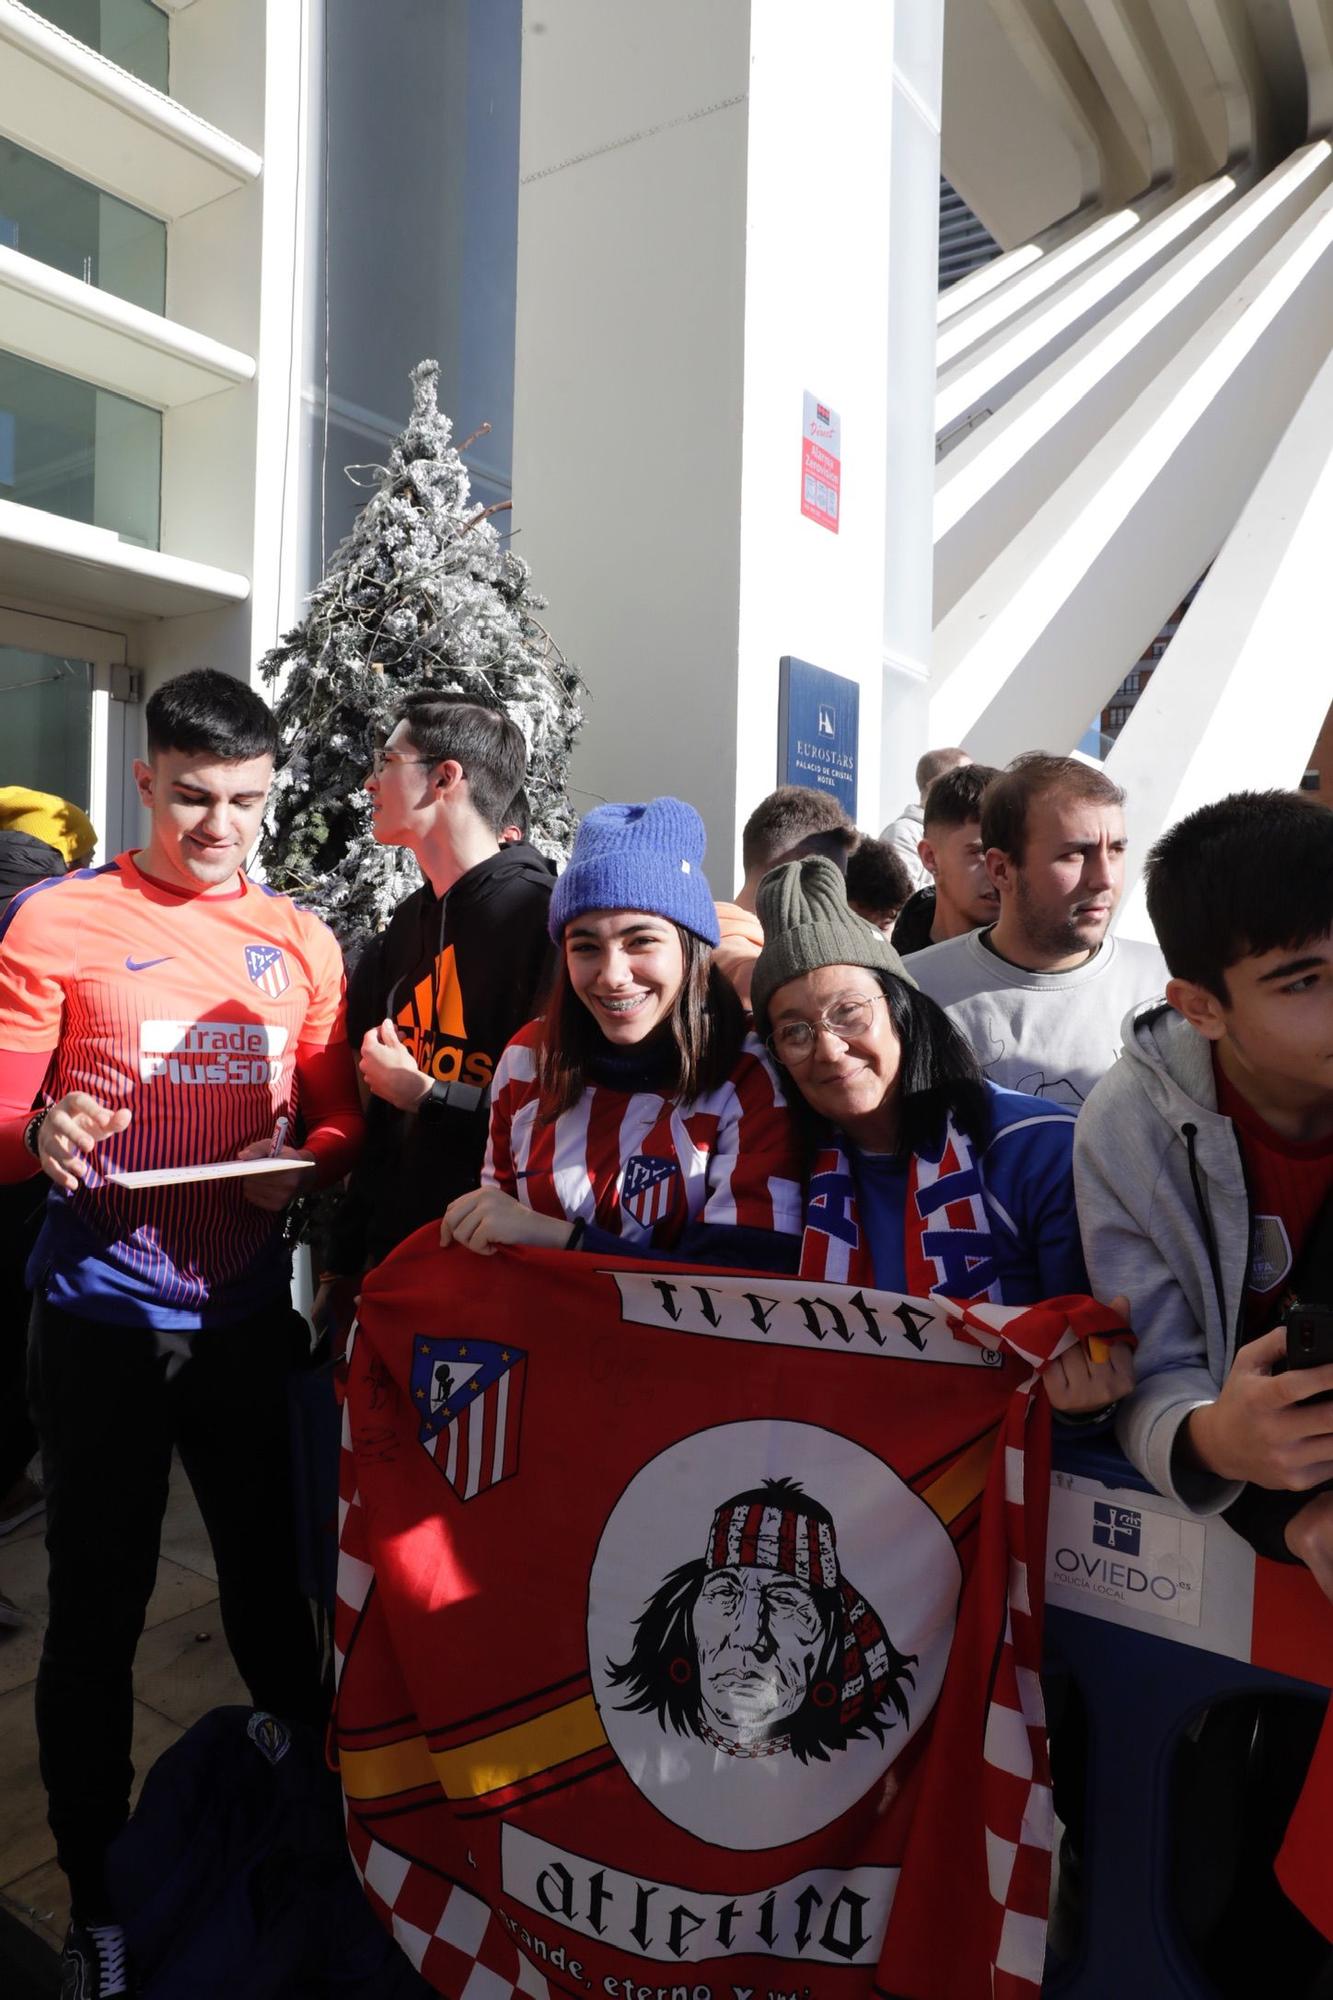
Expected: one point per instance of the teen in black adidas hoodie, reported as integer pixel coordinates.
(435, 998)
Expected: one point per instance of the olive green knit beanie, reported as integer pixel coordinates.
(808, 924)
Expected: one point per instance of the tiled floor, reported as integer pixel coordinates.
(182, 1670)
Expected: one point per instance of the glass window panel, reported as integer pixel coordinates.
(132, 33)
(79, 451)
(46, 723)
(63, 221)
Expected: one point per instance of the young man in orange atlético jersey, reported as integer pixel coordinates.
(165, 1011)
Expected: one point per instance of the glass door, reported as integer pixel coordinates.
(63, 695)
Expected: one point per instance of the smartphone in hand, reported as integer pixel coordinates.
(1309, 1337)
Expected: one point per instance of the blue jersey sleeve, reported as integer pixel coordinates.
(1028, 1169)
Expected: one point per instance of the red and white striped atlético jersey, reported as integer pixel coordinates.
(641, 1166)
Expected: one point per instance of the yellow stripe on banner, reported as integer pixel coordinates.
(472, 1769)
(966, 1478)
(521, 1752)
(394, 1767)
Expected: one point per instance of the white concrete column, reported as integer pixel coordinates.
(705, 216)
(910, 359)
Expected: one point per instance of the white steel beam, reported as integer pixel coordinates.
(1217, 61)
(1133, 92)
(987, 278)
(1313, 23)
(1025, 288)
(1242, 689)
(998, 477)
(1005, 364)
(1028, 654)
(1040, 37)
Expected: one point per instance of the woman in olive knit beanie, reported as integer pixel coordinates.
(922, 1177)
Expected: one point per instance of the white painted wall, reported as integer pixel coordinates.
(820, 175)
(628, 382)
(909, 440)
(704, 235)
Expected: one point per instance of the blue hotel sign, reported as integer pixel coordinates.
(818, 724)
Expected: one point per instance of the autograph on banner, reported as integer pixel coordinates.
(688, 1630)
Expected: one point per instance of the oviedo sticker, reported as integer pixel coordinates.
(769, 1619)
(1111, 1551)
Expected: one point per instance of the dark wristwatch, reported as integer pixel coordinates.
(467, 1097)
(33, 1128)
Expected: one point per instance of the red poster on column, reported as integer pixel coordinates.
(821, 463)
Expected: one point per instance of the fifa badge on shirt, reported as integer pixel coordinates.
(1270, 1253)
(267, 969)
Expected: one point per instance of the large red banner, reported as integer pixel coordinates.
(688, 1629)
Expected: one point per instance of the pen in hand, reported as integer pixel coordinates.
(279, 1138)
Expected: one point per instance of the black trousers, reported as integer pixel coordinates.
(20, 1219)
(107, 1417)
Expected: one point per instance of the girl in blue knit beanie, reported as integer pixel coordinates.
(637, 1116)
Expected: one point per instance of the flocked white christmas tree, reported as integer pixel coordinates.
(423, 594)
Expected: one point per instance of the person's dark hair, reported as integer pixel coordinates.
(955, 799)
(487, 746)
(664, 1639)
(1004, 808)
(707, 1024)
(1249, 874)
(932, 764)
(212, 714)
(941, 1078)
(877, 878)
(518, 813)
(787, 817)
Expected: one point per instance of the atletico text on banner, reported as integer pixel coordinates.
(688, 1629)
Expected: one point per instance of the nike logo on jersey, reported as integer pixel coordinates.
(142, 964)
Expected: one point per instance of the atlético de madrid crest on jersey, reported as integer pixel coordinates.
(267, 969)
(648, 1186)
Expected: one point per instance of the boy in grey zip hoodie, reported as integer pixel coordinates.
(1241, 896)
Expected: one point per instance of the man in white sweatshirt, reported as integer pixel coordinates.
(1041, 993)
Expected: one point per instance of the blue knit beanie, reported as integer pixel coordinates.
(645, 857)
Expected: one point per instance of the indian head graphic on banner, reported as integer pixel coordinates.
(688, 1631)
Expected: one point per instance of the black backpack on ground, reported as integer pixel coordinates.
(233, 1876)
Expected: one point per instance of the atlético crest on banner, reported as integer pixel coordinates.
(267, 969)
(468, 1396)
(648, 1187)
